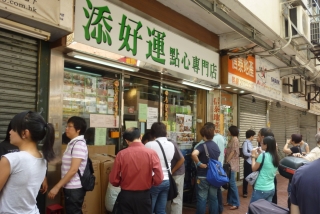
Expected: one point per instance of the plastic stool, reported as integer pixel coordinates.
(54, 209)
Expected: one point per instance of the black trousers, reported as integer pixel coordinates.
(133, 202)
(73, 200)
(247, 169)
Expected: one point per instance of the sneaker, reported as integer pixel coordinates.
(245, 195)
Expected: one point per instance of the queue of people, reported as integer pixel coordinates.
(145, 160)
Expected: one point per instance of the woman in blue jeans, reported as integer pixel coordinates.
(232, 157)
(264, 185)
(205, 191)
(159, 194)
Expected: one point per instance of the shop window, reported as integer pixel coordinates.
(92, 93)
(178, 113)
(141, 103)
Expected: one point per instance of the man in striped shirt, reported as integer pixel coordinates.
(74, 158)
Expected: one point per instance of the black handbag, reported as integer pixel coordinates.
(227, 169)
(173, 190)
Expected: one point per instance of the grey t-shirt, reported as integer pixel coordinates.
(26, 176)
(176, 157)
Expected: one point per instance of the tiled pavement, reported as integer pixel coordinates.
(244, 202)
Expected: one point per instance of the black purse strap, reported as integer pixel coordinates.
(164, 156)
(260, 167)
(71, 158)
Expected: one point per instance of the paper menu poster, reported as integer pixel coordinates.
(100, 136)
(143, 112)
(90, 85)
(180, 122)
(104, 121)
(187, 123)
(152, 116)
(130, 124)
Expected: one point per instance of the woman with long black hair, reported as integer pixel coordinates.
(264, 187)
(22, 173)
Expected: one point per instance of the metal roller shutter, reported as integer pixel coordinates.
(292, 122)
(18, 75)
(277, 118)
(252, 116)
(308, 128)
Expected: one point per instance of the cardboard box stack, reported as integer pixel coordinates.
(106, 164)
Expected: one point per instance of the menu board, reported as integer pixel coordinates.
(87, 94)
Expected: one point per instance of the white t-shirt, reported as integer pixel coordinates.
(26, 176)
(168, 148)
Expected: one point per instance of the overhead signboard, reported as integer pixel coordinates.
(39, 10)
(106, 26)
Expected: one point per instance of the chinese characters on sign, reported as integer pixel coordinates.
(108, 27)
(216, 114)
(243, 67)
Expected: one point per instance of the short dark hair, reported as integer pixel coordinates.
(265, 132)
(250, 133)
(79, 124)
(210, 125)
(296, 138)
(158, 129)
(207, 131)
(131, 134)
(234, 131)
(147, 137)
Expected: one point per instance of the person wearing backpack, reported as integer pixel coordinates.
(73, 159)
(205, 191)
(246, 149)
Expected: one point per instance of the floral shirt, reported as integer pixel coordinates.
(233, 145)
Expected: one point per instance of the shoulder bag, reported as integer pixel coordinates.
(87, 179)
(216, 176)
(173, 190)
(252, 177)
(241, 155)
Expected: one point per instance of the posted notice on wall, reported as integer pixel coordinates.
(104, 121)
(152, 116)
(100, 136)
(143, 112)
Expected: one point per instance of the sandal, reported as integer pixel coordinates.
(226, 204)
(233, 208)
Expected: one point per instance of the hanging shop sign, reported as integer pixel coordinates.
(241, 82)
(242, 73)
(268, 83)
(243, 67)
(103, 25)
(39, 10)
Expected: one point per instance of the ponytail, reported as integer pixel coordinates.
(40, 131)
(48, 141)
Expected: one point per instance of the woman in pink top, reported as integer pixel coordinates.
(232, 157)
(74, 158)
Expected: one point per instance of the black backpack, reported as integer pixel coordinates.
(87, 179)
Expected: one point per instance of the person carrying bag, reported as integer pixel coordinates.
(252, 177)
(173, 190)
(216, 175)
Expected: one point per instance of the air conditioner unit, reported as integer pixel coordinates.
(301, 22)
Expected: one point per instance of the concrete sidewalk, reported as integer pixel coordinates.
(244, 202)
